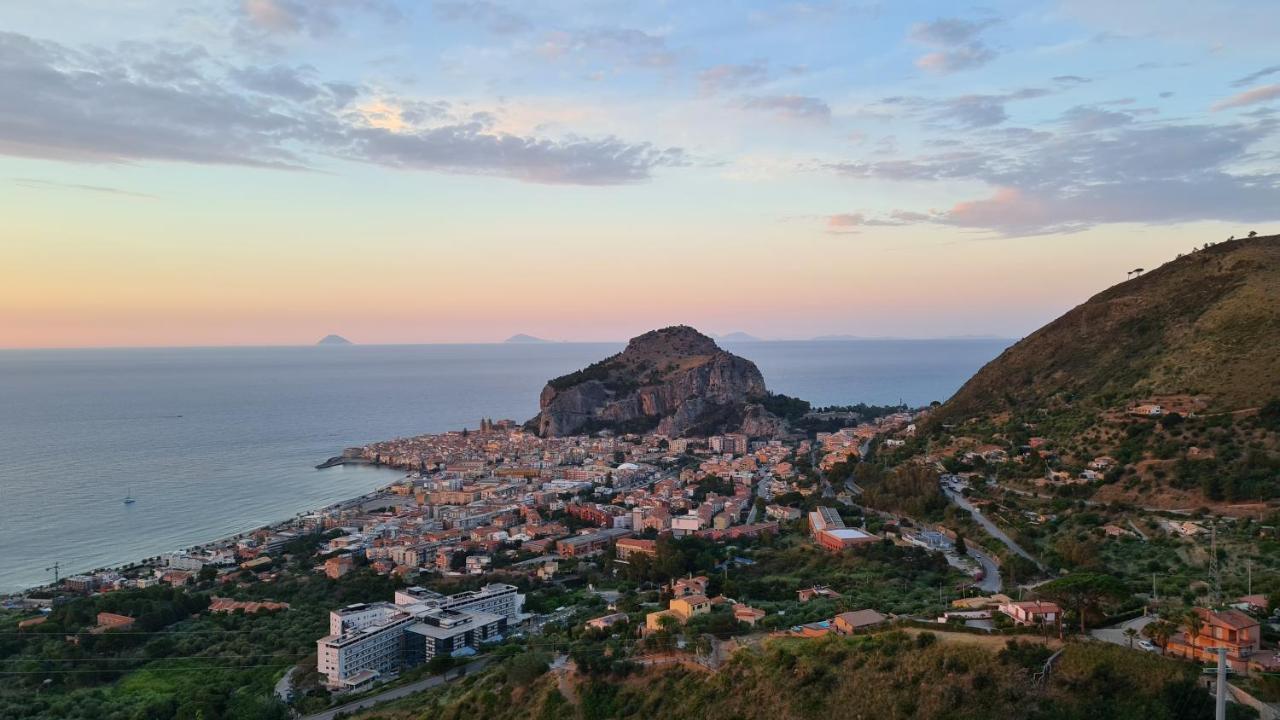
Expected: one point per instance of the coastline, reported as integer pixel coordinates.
(345, 459)
(378, 494)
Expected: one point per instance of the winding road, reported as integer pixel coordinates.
(398, 692)
(991, 528)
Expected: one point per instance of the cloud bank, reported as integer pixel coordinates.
(175, 104)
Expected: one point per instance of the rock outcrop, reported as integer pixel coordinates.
(674, 381)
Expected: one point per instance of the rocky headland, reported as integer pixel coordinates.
(674, 381)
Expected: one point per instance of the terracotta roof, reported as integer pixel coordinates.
(1230, 618)
(862, 618)
(1038, 606)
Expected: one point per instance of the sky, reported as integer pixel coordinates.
(262, 172)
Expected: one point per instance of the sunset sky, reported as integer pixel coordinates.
(227, 172)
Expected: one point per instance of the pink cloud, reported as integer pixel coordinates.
(1249, 97)
(1008, 207)
(845, 220)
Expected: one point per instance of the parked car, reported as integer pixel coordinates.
(1146, 645)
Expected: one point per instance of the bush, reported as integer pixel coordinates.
(523, 669)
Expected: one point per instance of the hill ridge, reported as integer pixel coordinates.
(1206, 323)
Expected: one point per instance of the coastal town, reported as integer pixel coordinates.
(496, 513)
(666, 516)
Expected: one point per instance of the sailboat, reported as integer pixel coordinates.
(128, 498)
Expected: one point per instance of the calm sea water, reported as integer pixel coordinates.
(215, 441)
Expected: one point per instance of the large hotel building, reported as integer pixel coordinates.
(370, 640)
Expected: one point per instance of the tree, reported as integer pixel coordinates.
(1130, 634)
(668, 623)
(1195, 624)
(439, 664)
(1084, 593)
(961, 548)
(1160, 631)
(526, 667)
(1269, 415)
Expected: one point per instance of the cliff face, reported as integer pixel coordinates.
(674, 381)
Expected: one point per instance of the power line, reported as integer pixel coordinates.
(117, 658)
(36, 634)
(161, 669)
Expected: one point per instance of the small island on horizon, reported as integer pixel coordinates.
(334, 340)
(521, 338)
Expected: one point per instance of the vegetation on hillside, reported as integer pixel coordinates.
(886, 676)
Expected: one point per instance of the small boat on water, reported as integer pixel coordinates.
(128, 498)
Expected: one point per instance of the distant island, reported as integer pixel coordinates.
(521, 338)
(740, 337)
(334, 340)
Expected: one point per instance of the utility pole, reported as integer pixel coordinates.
(1220, 707)
(1215, 572)
(1248, 566)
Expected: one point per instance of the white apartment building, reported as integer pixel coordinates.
(367, 641)
(364, 642)
(497, 598)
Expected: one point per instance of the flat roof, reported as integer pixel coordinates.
(473, 620)
(848, 533)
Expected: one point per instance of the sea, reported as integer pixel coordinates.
(212, 442)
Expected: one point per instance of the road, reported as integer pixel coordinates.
(1115, 633)
(991, 581)
(762, 491)
(989, 526)
(1144, 508)
(284, 688)
(397, 692)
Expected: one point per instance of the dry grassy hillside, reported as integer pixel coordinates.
(882, 677)
(1205, 324)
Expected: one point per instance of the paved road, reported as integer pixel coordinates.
(284, 688)
(762, 491)
(991, 581)
(1115, 633)
(397, 693)
(989, 526)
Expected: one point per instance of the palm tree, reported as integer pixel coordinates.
(1160, 631)
(1130, 634)
(1195, 624)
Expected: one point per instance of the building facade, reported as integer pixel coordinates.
(371, 640)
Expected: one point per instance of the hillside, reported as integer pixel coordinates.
(675, 381)
(1206, 324)
(881, 677)
(1163, 391)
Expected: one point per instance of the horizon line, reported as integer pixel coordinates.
(349, 344)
